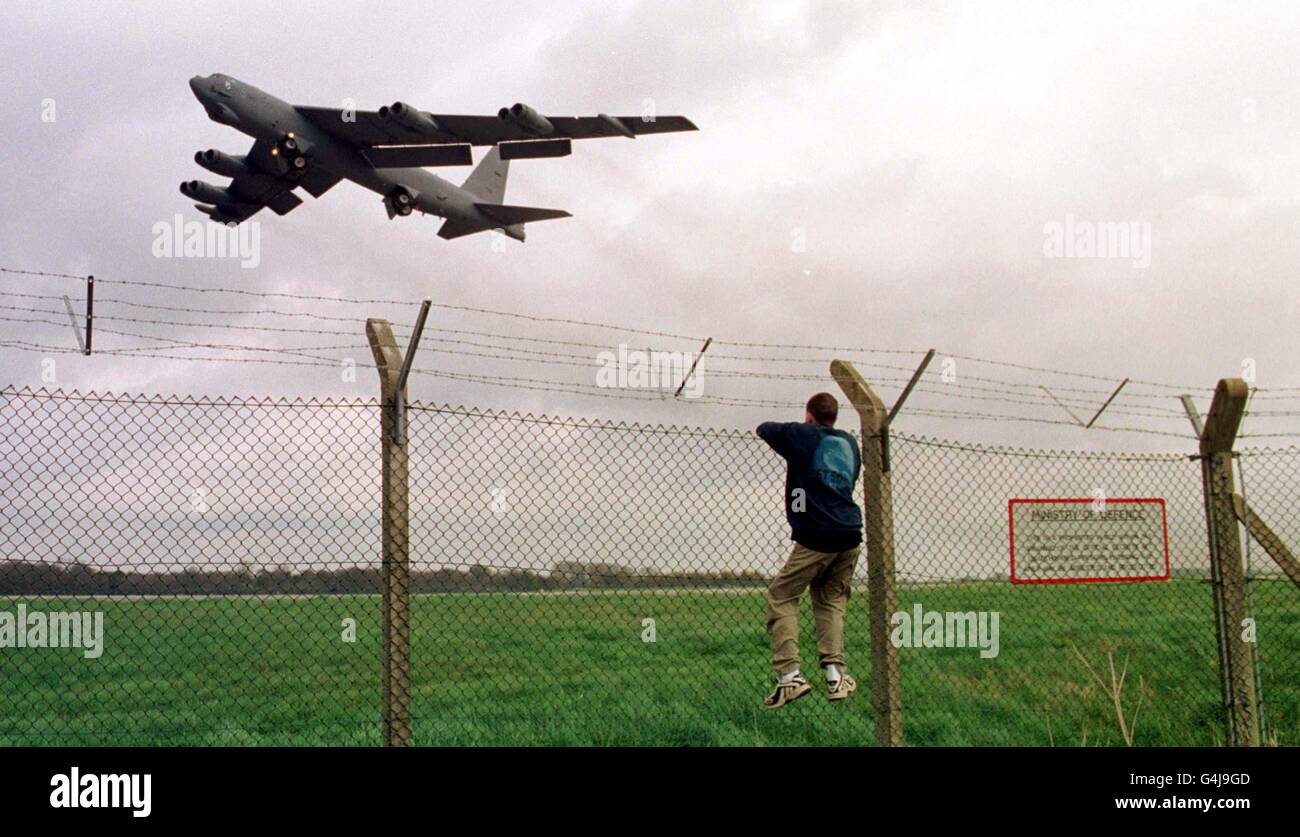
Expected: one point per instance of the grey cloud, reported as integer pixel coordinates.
(918, 151)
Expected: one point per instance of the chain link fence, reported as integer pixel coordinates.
(573, 582)
(222, 544)
(1269, 481)
(951, 529)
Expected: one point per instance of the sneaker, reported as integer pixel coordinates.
(840, 689)
(786, 692)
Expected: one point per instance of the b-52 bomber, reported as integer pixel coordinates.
(386, 151)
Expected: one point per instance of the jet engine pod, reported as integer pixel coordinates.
(219, 162)
(205, 192)
(407, 116)
(526, 118)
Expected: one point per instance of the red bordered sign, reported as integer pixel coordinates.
(1031, 572)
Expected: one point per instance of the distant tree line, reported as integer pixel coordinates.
(36, 578)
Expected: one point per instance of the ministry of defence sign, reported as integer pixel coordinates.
(1058, 541)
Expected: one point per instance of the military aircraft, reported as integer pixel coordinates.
(386, 152)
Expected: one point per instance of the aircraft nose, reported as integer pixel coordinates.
(196, 84)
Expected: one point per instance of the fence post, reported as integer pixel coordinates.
(395, 516)
(1236, 655)
(878, 519)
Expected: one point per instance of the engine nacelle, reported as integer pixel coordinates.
(206, 192)
(219, 162)
(526, 118)
(407, 116)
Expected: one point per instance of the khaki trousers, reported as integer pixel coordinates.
(829, 575)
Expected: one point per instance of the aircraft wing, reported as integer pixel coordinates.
(368, 128)
(251, 192)
(591, 127)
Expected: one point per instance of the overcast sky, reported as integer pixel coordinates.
(879, 175)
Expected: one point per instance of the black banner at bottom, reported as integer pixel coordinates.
(127, 787)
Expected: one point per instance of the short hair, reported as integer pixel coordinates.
(824, 408)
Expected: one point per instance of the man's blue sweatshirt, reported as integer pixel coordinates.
(822, 466)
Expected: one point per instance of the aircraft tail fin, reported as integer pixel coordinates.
(487, 183)
(488, 180)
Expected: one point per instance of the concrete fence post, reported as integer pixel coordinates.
(395, 517)
(878, 520)
(1236, 654)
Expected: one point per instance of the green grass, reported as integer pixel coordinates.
(572, 669)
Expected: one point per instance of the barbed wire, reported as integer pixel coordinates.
(46, 273)
(979, 388)
(336, 299)
(1091, 391)
(532, 383)
(545, 385)
(948, 389)
(560, 387)
(362, 301)
(351, 300)
(586, 363)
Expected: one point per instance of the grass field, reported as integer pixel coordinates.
(572, 669)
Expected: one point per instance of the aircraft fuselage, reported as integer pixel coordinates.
(264, 117)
